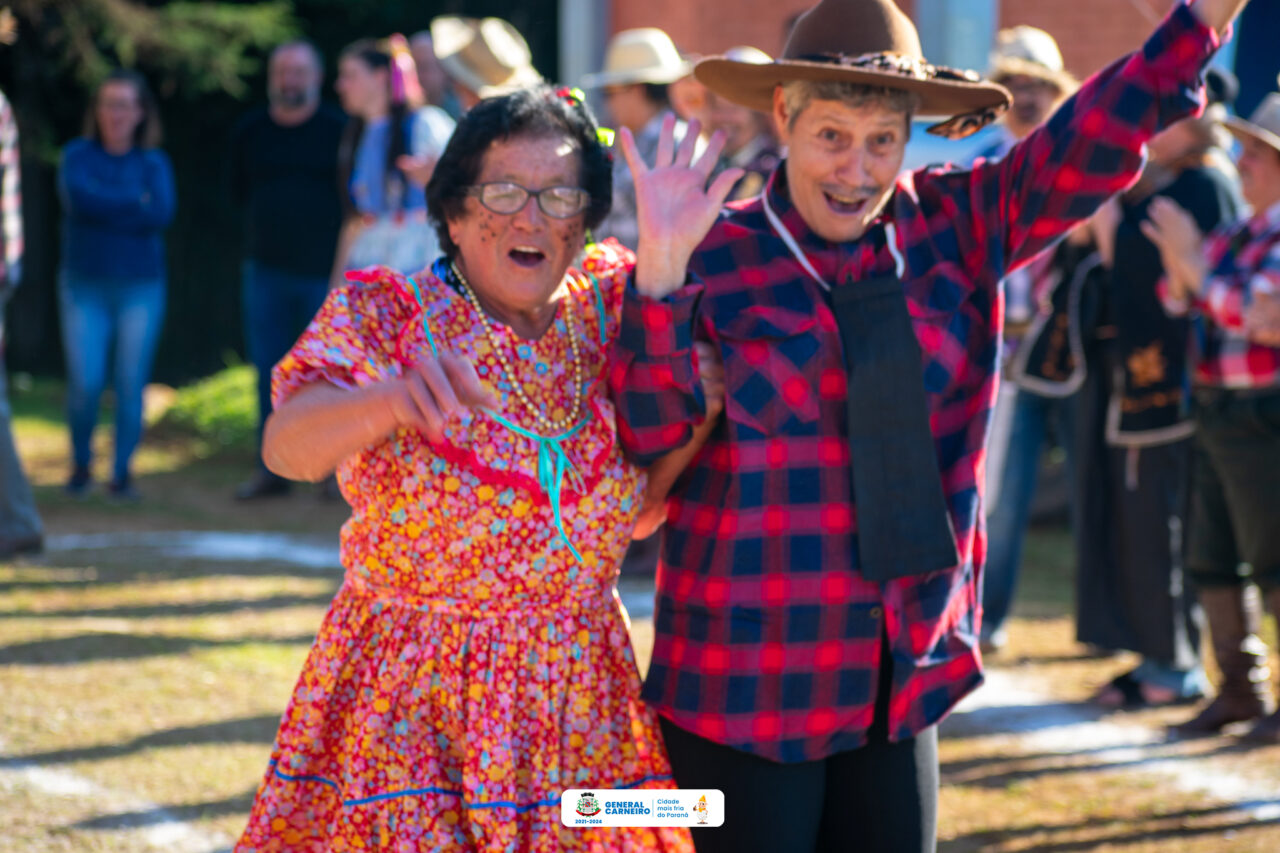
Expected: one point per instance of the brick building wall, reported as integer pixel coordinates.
(1091, 33)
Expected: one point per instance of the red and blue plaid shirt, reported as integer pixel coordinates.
(767, 636)
(1244, 261)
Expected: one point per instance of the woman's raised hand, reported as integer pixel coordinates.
(436, 389)
(675, 208)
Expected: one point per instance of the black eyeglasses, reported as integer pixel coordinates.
(507, 198)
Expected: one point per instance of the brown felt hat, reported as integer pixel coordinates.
(862, 41)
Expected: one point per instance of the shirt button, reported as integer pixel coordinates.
(875, 613)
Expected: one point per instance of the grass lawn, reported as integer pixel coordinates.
(147, 691)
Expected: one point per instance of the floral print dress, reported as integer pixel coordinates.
(470, 668)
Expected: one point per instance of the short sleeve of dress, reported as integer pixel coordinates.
(609, 265)
(352, 341)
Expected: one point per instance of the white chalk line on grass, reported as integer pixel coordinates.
(217, 545)
(1018, 707)
(149, 822)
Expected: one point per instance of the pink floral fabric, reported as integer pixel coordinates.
(469, 669)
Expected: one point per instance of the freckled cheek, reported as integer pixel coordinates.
(571, 237)
(490, 228)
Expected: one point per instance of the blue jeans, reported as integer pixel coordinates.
(277, 308)
(1033, 416)
(18, 516)
(95, 314)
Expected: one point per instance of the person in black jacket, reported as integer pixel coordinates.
(284, 172)
(1133, 450)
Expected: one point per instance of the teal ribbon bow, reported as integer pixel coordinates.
(553, 464)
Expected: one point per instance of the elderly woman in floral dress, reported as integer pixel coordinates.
(476, 661)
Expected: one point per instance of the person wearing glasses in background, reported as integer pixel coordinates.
(476, 662)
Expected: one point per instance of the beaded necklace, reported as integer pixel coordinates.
(547, 423)
(553, 464)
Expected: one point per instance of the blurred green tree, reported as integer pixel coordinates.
(193, 47)
(206, 61)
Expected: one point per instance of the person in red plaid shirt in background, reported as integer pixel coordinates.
(818, 595)
(1232, 284)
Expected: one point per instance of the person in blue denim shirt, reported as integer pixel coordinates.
(118, 196)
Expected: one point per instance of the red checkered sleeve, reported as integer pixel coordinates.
(1244, 263)
(1225, 296)
(1090, 149)
(654, 374)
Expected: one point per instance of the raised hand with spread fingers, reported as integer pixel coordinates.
(675, 206)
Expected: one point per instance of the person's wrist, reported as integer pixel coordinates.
(392, 403)
(660, 270)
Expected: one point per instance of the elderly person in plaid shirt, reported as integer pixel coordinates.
(1231, 283)
(817, 607)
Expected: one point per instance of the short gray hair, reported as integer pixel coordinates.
(798, 94)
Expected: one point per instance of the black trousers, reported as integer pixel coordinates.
(882, 798)
(1235, 498)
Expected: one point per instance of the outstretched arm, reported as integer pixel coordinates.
(320, 425)
(1091, 147)
(1218, 13)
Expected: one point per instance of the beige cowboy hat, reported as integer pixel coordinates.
(861, 41)
(644, 55)
(1030, 52)
(486, 55)
(1263, 125)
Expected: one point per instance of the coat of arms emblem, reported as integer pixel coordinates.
(588, 805)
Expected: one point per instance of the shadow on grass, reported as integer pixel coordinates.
(1108, 832)
(149, 570)
(161, 611)
(254, 730)
(240, 804)
(85, 648)
(1000, 773)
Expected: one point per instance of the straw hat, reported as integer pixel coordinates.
(861, 41)
(1263, 125)
(486, 55)
(1030, 52)
(644, 55)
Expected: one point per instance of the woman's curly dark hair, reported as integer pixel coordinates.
(536, 111)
